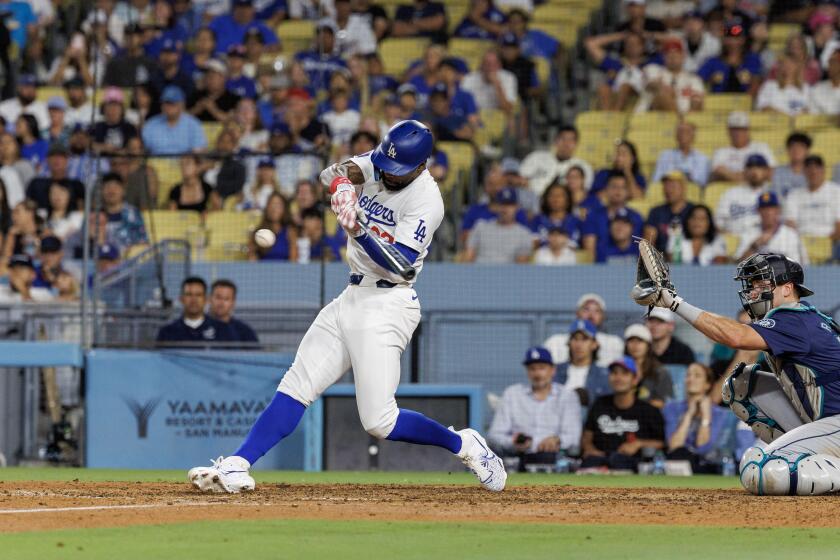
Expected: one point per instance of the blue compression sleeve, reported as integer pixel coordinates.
(369, 245)
(413, 427)
(277, 421)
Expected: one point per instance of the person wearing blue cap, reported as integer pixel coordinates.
(619, 426)
(737, 209)
(169, 71)
(729, 162)
(502, 240)
(237, 82)
(533, 42)
(540, 416)
(173, 131)
(772, 236)
(581, 373)
(230, 28)
(619, 246)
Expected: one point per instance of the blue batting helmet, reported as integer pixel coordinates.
(407, 145)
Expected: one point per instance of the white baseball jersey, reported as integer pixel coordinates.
(737, 210)
(824, 99)
(785, 241)
(814, 212)
(734, 159)
(686, 85)
(409, 216)
(789, 100)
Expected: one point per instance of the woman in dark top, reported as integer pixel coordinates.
(24, 233)
(32, 147)
(625, 162)
(556, 211)
(277, 218)
(193, 193)
(656, 385)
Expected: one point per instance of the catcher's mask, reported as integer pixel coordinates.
(771, 270)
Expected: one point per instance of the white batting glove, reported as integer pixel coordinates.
(347, 218)
(343, 194)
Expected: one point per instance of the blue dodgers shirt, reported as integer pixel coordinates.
(717, 74)
(798, 335)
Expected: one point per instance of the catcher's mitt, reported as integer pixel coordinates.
(653, 278)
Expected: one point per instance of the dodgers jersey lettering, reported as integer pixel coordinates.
(409, 216)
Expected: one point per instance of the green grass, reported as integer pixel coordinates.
(342, 477)
(369, 540)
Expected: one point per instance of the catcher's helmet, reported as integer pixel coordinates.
(773, 267)
(407, 145)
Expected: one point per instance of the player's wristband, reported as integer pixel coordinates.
(686, 310)
(340, 184)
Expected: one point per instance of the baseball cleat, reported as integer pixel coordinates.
(224, 475)
(480, 459)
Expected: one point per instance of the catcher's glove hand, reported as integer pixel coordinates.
(653, 279)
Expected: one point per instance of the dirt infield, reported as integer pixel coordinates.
(34, 506)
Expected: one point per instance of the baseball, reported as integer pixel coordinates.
(265, 238)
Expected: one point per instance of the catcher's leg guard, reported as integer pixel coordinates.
(757, 398)
(763, 473)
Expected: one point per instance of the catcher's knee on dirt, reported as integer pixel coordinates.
(766, 474)
(736, 393)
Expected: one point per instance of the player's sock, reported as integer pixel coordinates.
(277, 421)
(413, 427)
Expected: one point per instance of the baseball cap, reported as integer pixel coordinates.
(537, 354)
(509, 39)
(237, 50)
(50, 244)
(266, 162)
(172, 94)
(506, 196)
(625, 362)
(21, 260)
(756, 160)
(584, 326)
(674, 175)
(662, 314)
(170, 45)
(695, 14)
(738, 119)
(75, 82)
(558, 228)
(638, 331)
(439, 89)
(458, 64)
(279, 127)
(733, 29)
(254, 33)
(815, 160)
(768, 200)
(113, 95)
(820, 18)
(326, 23)
(26, 80)
(215, 65)
(108, 252)
(622, 214)
(591, 296)
(671, 43)
(407, 88)
(57, 102)
(510, 165)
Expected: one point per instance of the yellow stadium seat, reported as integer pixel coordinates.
(471, 50)
(649, 146)
(776, 141)
(825, 144)
(456, 12)
(599, 132)
(732, 243)
(461, 161)
(640, 205)
(226, 253)
(656, 194)
(397, 53)
(814, 123)
(173, 224)
(45, 92)
(230, 228)
(494, 122)
(819, 248)
(778, 34)
(713, 192)
(769, 120)
(707, 120)
(543, 69)
(710, 139)
(726, 102)
(168, 171)
(212, 131)
(296, 35)
(654, 123)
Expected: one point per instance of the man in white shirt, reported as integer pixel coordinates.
(354, 34)
(693, 163)
(542, 167)
(728, 163)
(491, 86)
(538, 417)
(671, 87)
(737, 210)
(825, 96)
(815, 210)
(25, 102)
(590, 307)
(79, 110)
(773, 236)
(21, 277)
(700, 45)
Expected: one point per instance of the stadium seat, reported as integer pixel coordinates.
(397, 53)
(656, 194)
(471, 50)
(455, 12)
(173, 224)
(599, 131)
(212, 131)
(778, 34)
(461, 161)
(814, 123)
(775, 139)
(495, 122)
(713, 192)
(649, 145)
(819, 248)
(710, 139)
(641, 205)
(296, 35)
(732, 242)
(227, 252)
(543, 69)
(769, 120)
(726, 102)
(169, 174)
(45, 92)
(825, 144)
(230, 227)
(708, 120)
(654, 123)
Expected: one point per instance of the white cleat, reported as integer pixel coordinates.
(225, 475)
(480, 459)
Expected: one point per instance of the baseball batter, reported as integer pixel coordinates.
(368, 326)
(791, 398)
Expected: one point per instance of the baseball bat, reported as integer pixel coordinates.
(395, 259)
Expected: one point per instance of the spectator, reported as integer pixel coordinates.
(736, 70)
(79, 110)
(72, 63)
(57, 172)
(486, 208)
(790, 177)
(5, 212)
(277, 218)
(619, 426)
(222, 304)
(132, 66)
(422, 18)
(788, 93)
(214, 102)
(542, 167)
(165, 27)
(737, 208)
(193, 192)
(671, 13)
(203, 50)
(503, 240)
(596, 228)
(62, 219)
(445, 123)
(193, 325)
(729, 11)
(237, 82)
(125, 224)
(483, 21)
(169, 71)
(623, 76)
(701, 244)
(307, 196)
(796, 47)
(375, 15)
(58, 131)
(815, 210)
(619, 246)
(11, 161)
(144, 105)
(230, 28)
(532, 42)
(253, 136)
(825, 96)
(728, 163)
(637, 20)
(173, 131)
(49, 267)
(97, 238)
(670, 87)
(227, 175)
(24, 234)
(669, 216)
(321, 246)
(700, 44)
(342, 119)
(667, 348)
(558, 250)
(463, 103)
(491, 86)
(111, 134)
(355, 33)
(694, 426)
(581, 373)
(590, 307)
(320, 62)
(25, 101)
(140, 180)
(256, 195)
(540, 417)
(408, 104)
(20, 288)
(32, 146)
(625, 163)
(773, 236)
(655, 385)
(582, 203)
(292, 165)
(556, 211)
(425, 73)
(527, 82)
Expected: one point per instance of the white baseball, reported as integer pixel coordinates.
(265, 238)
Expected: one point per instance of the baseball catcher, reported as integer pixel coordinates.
(791, 397)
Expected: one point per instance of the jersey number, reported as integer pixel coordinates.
(420, 232)
(383, 234)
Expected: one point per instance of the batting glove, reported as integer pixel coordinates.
(343, 195)
(347, 217)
